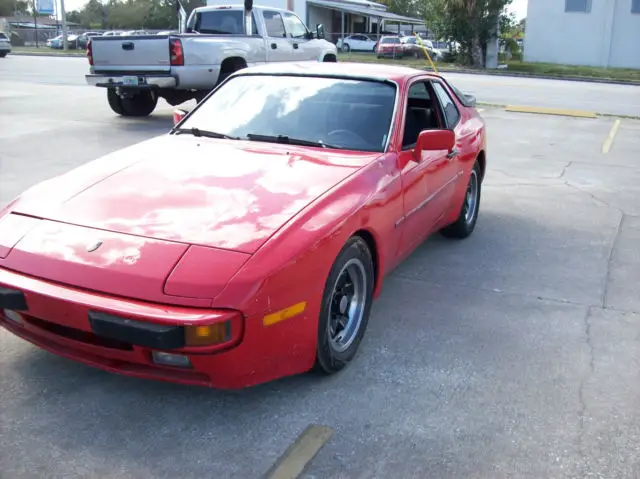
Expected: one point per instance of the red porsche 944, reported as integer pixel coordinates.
(249, 242)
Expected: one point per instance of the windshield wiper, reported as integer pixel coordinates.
(287, 140)
(209, 134)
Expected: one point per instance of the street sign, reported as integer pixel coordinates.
(45, 7)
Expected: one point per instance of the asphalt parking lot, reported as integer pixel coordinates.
(515, 353)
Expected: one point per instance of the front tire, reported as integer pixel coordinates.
(466, 222)
(346, 306)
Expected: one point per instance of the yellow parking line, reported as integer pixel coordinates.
(551, 111)
(294, 460)
(608, 141)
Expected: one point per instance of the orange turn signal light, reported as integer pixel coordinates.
(206, 335)
(283, 314)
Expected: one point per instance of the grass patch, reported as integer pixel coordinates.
(419, 63)
(47, 50)
(551, 69)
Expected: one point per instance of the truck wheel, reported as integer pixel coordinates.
(114, 101)
(141, 104)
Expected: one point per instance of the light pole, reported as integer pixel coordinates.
(65, 44)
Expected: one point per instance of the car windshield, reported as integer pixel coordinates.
(390, 40)
(332, 112)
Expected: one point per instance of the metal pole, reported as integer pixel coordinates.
(35, 20)
(63, 15)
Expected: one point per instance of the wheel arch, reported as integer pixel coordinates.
(369, 238)
(482, 161)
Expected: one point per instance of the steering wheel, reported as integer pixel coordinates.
(348, 135)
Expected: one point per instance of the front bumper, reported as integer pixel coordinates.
(139, 81)
(390, 54)
(71, 323)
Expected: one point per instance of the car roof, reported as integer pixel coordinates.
(371, 71)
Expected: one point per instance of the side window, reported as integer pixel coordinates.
(419, 91)
(274, 24)
(420, 114)
(449, 109)
(295, 27)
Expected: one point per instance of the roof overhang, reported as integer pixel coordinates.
(366, 12)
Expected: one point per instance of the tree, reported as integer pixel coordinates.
(472, 23)
(9, 8)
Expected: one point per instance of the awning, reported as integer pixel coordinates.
(367, 12)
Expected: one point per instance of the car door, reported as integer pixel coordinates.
(304, 46)
(279, 47)
(452, 117)
(427, 184)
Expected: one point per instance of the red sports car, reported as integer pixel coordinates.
(249, 242)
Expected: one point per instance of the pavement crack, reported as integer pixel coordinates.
(614, 246)
(582, 412)
(564, 170)
(596, 199)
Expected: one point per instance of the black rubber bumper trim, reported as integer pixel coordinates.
(12, 299)
(140, 333)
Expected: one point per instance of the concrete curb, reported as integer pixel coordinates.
(45, 54)
(553, 111)
(543, 77)
(497, 73)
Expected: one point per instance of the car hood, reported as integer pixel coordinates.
(218, 193)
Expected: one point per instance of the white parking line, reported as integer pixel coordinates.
(608, 141)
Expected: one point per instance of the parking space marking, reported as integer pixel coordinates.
(299, 454)
(608, 141)
(551, 111)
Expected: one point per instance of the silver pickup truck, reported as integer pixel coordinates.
(137, 70)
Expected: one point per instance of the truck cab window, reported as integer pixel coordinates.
(274, 24)
(223, 22)
(295, 27)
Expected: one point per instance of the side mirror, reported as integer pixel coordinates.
(178, 115)
(434, 140)
(320, 31)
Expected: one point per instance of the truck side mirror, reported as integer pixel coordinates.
(320, 31)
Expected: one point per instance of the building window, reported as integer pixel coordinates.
(577, 6)
(635, 6)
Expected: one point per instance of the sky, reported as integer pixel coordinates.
(519, 7)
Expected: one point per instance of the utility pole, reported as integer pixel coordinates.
(65, 44)
(35, 21)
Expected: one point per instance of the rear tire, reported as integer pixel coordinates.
(346, 306)
(142, 104)
(3, 54)
(466, 222)
(114, 101)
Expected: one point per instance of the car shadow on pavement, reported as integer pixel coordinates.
(450, 337)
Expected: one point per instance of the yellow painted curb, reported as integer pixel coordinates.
(551, 111)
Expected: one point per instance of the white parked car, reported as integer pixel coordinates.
(5, 45)
(356, 43)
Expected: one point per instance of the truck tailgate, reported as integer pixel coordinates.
(149, 53)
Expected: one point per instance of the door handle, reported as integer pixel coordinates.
(452, 154)
(274, 46)
(295, 45)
